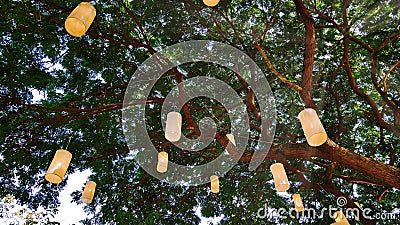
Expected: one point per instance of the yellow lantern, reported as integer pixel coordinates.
(340, 218)
(231, 138)
(173, 126)
(312, 127)
(359, 206)
(58, 166)
(214, 184)
(280, 178)
(88, 192)
(211, 3)
(80, 19)
(298, 203)
(162, 164)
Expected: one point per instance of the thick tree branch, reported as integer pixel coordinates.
(308, 62)
(383, 174)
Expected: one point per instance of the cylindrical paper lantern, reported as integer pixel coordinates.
(231, 138)
(58, 166)
(88, 192)
(211, 2)
(214, 184)
(298, 203)
(312, 127)
(359, 206)
(80, 19)
(340, 218)
(173, 126)
(162, 164)
(280, 178)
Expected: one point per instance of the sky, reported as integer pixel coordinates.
(71, 212)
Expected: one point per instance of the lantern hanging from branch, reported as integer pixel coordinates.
(298, 203)
(58, 167)
(356, 216)
(231, 138)
(214, 184)
(211, 3)
(88, 192)
(340, 218)
(162, 164)
(173, 126)
(280, 178)
(80, 19)
(312, 127)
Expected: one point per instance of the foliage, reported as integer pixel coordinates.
(82, 82)
(11, 213)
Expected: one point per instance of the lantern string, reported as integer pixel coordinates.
(38, 9)
(69, 141)
(327, 194)
(301, 100)
(210, 111)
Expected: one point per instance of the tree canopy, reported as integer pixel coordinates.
(339, 57)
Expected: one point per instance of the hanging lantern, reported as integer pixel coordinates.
(214, 184)
(312, 127)
(80, 19)
(173, 126)
(231, 138)
(162, 164)
(298, 203)
(211, 3)
(340, 218)
(88, 192)
(58, 166)
(359, 206)
(280, 178)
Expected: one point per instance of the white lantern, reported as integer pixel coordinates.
(88, 192)
(214, 184)
(173, 126)
(162, 164)
(280, 178)
(80, 19)
(58, 167)
(298, 203)
(312, 127)
(231, 138)
(211, 3)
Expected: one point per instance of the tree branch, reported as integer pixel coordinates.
(308, 62)
(271, 67)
